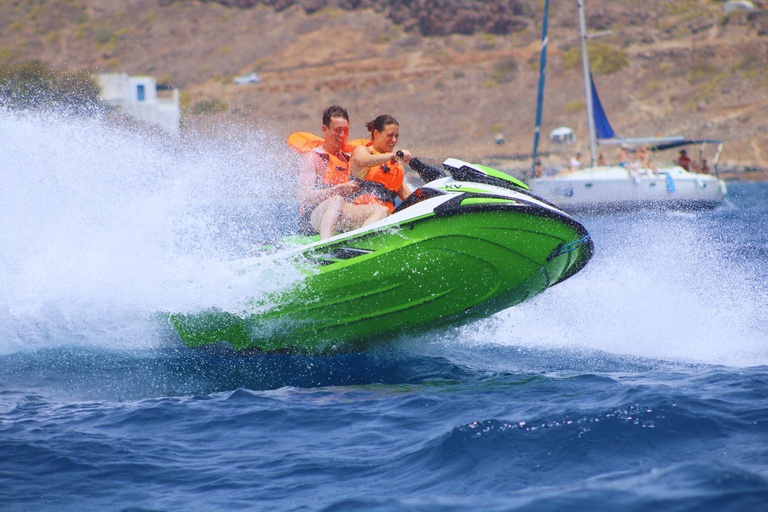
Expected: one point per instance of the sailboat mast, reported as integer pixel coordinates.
(587, 81)
(542, 77)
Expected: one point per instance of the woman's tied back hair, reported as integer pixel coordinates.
(379, 123)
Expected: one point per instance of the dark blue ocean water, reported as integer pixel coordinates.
(639, 384)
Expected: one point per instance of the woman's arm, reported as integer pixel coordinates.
(362, 160)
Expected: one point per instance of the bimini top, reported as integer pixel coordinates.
(615, 141)
(659, 143)
(686, 142)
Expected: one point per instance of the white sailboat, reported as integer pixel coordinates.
(632, 184)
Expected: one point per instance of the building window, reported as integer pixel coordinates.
(140, 93)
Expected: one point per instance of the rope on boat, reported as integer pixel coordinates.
(568, 248)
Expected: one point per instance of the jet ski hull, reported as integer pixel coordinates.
(458, 263)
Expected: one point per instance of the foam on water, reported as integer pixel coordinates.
(660, 286)
(104, 228)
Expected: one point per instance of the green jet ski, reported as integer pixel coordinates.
(469, 243)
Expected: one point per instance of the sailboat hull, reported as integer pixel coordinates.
(616, 188)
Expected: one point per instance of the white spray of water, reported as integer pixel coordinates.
(102, 229)
(658, 287)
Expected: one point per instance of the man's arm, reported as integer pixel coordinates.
(308, 173)
(312, 168)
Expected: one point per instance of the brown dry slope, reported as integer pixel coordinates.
(688, 67)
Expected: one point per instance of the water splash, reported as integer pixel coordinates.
(103, 227)
(664, 286)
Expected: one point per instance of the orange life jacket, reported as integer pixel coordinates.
(336, 172)
(381, 184)
(304, 142)
(336, 169)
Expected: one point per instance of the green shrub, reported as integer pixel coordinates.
(750, 60)
(571, 58)
(488, 41)
(34, 84)
(678, 7)
(703, 70)
(505, 70)
(575, 106)
(102, 34)
(209, 106)
(185, 100)
(166, 81)
(709, 89)
(53, 37)
(112, 64)
(331, 11)
(7, 54)
(653, 86)
(603, 58)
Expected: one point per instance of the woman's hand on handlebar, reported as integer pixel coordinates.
(403, 155)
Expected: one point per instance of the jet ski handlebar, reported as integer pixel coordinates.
(426, 172)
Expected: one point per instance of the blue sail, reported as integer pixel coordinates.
(602, 126)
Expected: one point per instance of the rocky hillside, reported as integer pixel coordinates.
(456, 73)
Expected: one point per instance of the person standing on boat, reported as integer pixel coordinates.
(575, 162)
(325, 186)
(380, 168)
(684, 161)
(601, 159)
(645, 161)
(623, 156)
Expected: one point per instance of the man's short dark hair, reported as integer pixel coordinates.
(334, 111)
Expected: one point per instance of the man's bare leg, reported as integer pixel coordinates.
(325, 217)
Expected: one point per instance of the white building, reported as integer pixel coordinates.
(137, 96)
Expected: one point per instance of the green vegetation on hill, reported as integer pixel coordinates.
(34, 84)
(603, 58)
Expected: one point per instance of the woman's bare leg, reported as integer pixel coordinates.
(358, 215)
(379, 213)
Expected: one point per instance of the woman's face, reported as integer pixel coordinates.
(386, 139)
